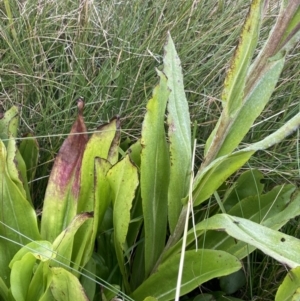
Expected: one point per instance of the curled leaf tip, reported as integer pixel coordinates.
(80, 104)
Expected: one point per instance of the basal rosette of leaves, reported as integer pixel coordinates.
(113, 219)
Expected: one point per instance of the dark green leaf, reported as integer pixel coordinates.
(199, 267)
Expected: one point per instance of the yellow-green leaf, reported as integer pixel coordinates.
(155, 168)
(123, 179)
(179, 133)
(199, 267)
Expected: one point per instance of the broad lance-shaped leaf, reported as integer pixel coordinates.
(235, 80)
(102, 144)
(229, 132)
(60, 203)
(209, 179)
(123, 179)
(85, 238)
(155, 168)
(275, 215)
(15, 163)
(18, 223)
(233, 91)
(215, 174)
(63, 244)
(179, 133)
(280, 246)
(273, 210)
(199, 267)
(21, 276)
(262, 77)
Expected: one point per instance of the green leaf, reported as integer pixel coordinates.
(288, 128)
(64, 183)
(278, 245)
(63, 244)
(102, 190)
(233, 91)
(18, 223)
(108, 137)
(215, 174)
(85, 237)
(236, 75)
(290, 286)
(4, 291)
(231, 131)
(138, 265)
(262, 207)
(179, 133)
(23, 267)
(29, 150)
(199, 267)
(204, 297)
(123, 179)
(21, 274)
(41, 250)
(66, 287)
(113, 154)
(233, 282)
(9, 124)
(272, 209)
(89, 283)
(155, 174)
(252, 107)
(221, 297)
(211, 177)
(135, 153)
(39, 288)
(248, 184)
(17, 169)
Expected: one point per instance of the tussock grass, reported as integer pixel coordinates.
(106, 51)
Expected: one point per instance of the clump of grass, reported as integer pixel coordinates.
(106, 51)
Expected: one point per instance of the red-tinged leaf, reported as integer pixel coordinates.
(60, 202)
